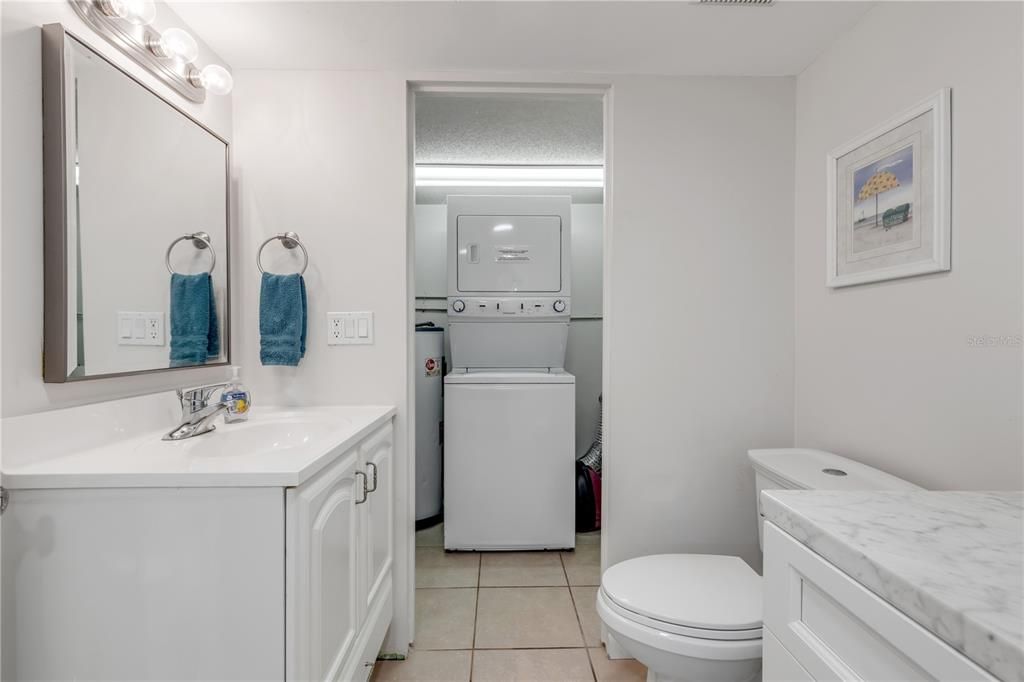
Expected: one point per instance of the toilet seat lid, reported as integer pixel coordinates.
(704, 591)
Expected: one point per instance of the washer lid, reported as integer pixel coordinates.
(703, 591)
(509, 377)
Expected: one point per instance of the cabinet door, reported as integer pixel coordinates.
(377, 453)
(323, 553)
(838, 630)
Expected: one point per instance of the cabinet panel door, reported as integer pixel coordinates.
(838, 630)
(377, 452)
(144, 584)
(323, 562)
(779, 665)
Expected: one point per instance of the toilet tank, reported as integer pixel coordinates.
(805, 469)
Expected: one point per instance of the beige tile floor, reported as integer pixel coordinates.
(508, 616)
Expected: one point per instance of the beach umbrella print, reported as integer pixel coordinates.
(883, 181)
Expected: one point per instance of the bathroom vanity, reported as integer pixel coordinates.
(259, 551)
(915, 585)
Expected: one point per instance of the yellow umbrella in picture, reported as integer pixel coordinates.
(883, 181)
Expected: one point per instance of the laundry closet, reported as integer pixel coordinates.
(508, 260)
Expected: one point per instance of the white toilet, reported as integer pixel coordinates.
(697, 617)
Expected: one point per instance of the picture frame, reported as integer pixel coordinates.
(889, 198)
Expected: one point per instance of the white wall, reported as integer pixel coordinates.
(699, 309)
(21, 241)
(583, 349)
(885, 372)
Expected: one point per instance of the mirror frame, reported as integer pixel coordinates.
(55, 212)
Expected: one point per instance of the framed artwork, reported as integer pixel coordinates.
(889, 198)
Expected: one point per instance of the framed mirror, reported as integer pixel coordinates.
(136, 206)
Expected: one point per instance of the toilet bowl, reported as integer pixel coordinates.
(697, 617)
(686, 616)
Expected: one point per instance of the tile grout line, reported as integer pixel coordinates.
(476, 614)
(579, 622)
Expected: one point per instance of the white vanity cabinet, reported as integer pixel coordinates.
(200, 579)
(821, 624)
(339, 554)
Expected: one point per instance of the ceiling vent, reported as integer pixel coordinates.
(761, 3)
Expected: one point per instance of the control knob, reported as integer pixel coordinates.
(458, 305)
(559, 306)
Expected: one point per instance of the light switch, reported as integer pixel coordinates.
(140, 329)
(349, 329)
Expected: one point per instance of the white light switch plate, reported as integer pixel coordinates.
(140, 329)
(349, 329)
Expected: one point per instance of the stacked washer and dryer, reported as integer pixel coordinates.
(509, 404)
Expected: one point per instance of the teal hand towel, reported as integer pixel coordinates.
(282, 319)
(195, 334)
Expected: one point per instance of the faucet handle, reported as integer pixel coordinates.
(198, 395)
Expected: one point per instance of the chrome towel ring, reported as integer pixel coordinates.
(200, 240)
(289, 240)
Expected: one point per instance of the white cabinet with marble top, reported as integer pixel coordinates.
(919, 585)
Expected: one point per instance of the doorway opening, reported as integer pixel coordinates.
(491, 169)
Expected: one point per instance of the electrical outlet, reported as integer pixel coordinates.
(349, 329)
(335, 329)
(155, 329)
(140, 329)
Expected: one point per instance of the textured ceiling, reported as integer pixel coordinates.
(509, 130)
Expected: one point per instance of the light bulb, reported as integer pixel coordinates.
(176, 43)
(216, 79)
(138, 12)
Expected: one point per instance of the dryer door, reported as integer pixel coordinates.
(509, 254)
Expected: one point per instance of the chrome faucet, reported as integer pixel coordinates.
(197, 414)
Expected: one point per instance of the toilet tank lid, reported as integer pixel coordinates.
(803, 468)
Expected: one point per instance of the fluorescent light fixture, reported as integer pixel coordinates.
(509, 176)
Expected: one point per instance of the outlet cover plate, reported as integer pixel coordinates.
(140, 329)
(349, 329)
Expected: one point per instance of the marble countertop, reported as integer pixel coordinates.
(951, 561)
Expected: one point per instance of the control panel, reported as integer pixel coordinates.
(509, 307)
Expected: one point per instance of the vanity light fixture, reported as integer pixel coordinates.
(136, 12)
(215, 78)
(169, 53)
(509, 176)
(174, 43)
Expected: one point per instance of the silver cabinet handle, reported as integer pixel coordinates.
(374, 488)
(365, 491)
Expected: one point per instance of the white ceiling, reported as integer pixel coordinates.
(600, 37)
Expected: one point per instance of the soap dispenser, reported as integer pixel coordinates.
(237, 398)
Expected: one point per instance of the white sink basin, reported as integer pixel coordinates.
(115, 448)
(257, 437)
